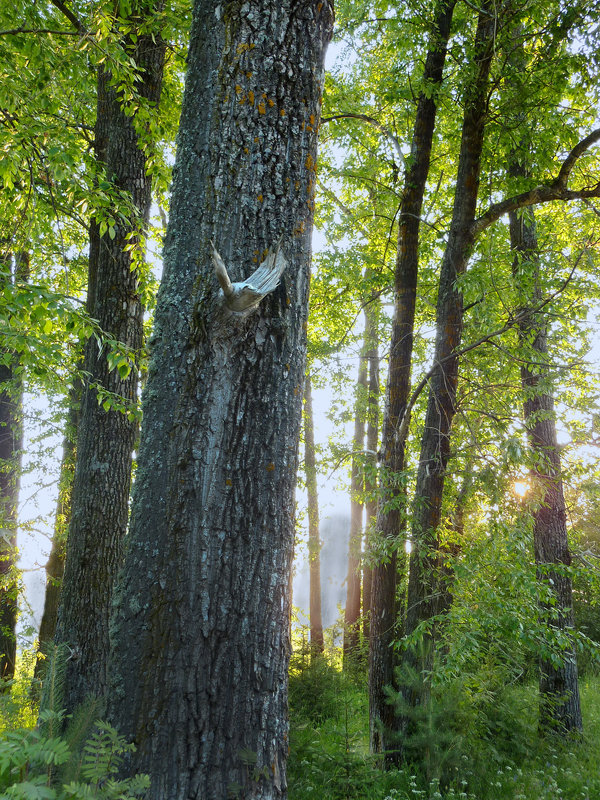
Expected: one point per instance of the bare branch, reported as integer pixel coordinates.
(574, 155)
(344, 208)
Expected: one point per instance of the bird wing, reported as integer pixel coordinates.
(221, 272)
(266, 277)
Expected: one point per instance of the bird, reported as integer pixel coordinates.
(246, 295)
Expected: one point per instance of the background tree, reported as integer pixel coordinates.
(435, 440)
(314, 539)
(435, 443)
(55, 566)
(372, 313)
(357, 491)
(560, 707)
(106, 435)
(13, 269)
(391, 516)
(51, 182)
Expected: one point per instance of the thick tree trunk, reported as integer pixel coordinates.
(435, 441)
(314, 538)
(372, 340)
(12, 270)
(100, 497)
(201, 627)
(391, 516)
(560, 709)
(353, 582)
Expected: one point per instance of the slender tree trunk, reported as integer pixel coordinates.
(435, 441)
(372, 337)
(99, 502)
(560, 709)
(13, 270)
(314, 539)
(55, 565)
(391, 513)
(201, 623)
(353, 582)
(454, 545)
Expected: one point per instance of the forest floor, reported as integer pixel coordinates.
(474, 743)
(478, 740)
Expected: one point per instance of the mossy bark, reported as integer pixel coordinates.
(200, 632)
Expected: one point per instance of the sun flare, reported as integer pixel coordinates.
(520, 488)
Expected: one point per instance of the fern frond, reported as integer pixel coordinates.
(77, 733)
(53, 689)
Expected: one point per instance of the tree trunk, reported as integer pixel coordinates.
(372, 338)
(13, 270)
(454, 545)
(99, 502)
(314, 539)
(353, 587)
(560, 709)
(201, 625)
(55, 565)
(435, 441)
(391, 515)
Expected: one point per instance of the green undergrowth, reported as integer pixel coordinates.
(469, 745)
(47, 756)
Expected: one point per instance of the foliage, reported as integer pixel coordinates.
(29, 759)
(59, 759)
(328, 752)
(483, 750)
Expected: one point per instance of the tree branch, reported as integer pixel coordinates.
(70, 15)
(556, 190)
(16, 31)
(576, 152)
(402, 430)
(376, 124)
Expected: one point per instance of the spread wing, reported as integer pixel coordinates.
(266, 278)
(243, 295)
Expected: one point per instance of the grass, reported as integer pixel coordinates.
(490, 751)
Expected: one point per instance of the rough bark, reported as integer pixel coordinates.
(353, 577)
(372, 338)
(12, 270)
(441, 408)
(391, 513)
(314, 539)
(105, 441)
(201, 625)
(560, 709)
